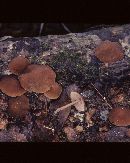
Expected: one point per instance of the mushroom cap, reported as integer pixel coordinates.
(120, 116)
(54, 91)
(18, 64)
(19, 106)
(128, 132)
(11, 86)
(80, 105)
(37, 78)
(109, 52)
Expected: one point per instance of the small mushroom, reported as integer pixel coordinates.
(37, 78)
(128, 132)
(72, 88)
(88, 117)
(19, 106)
(79, 128)
(77, 101)
(3, 124)
(18, 64)
(70, 133)
(54, 91)
(109, 52)
(118, 98)
(11, 86)
(120, 116)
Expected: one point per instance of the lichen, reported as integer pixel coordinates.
(104, 115)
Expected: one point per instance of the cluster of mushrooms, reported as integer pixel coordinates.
(109, 52)
(27, 77)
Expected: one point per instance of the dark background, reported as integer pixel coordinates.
(33, 29)
(77, 16)
(23, 18)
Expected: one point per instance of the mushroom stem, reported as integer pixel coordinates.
(66, 106)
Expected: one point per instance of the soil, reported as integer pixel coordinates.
(73, 59)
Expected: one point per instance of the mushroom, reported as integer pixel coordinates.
(19, 106)
(37, 78)
(120, 116)
(77, 101)
(72, 88)
(11, 86)
(18, 64)
(128, 132)
(109, 52)
(54, 91)
(70, 133)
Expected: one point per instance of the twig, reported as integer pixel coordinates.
(41, 28)
(66, 28)
(104, 98)
(46, 108)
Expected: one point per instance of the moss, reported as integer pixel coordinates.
(45, 47)
(37, 60)
(70, 68)
(33, 59)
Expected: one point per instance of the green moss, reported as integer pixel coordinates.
(33, 58)
(70, 68)
(37, 60)
(45, 47)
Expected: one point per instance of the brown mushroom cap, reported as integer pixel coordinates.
(80, 105)
(109, 52)
(11, 86)
(19, 106)
(54, 91)
(37, 78)
(120, 116)
(18, 64)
